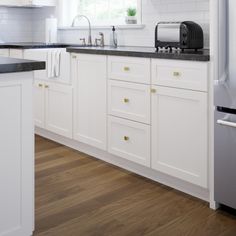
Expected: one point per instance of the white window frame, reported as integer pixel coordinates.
(139, 25)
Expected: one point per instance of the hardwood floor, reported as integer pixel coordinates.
(78, 195)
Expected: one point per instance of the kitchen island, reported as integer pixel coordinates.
(17, 146)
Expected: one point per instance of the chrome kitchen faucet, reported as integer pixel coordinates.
(89, 23)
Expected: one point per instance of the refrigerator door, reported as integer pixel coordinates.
(225, 85)
(225, 159)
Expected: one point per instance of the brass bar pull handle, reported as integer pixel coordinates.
(46, 86)
(40, 85)
(153, 90)
(126, 100)
(126, 138)
(126, 68)
(176, 74)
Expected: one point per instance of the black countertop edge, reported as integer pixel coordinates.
(145, 52)
(191, 55)
(35, 45)
(11, 65)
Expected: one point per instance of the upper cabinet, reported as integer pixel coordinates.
(28, 3)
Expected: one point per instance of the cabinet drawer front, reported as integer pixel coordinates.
(129, 69)
(129, 140)
(130, 101)
(180, 74)
(16, 53)
(4, 52)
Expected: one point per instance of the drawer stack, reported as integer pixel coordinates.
(129, 102)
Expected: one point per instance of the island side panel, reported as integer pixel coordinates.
(16, 154)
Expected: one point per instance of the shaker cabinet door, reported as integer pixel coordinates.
(90, 100)
(179, 134)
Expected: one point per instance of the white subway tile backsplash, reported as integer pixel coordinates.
(16, 24)
(154, 11)
(29, 24)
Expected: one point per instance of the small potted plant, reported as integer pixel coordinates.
(131, 16)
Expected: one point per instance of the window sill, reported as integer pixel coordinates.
(123, 27)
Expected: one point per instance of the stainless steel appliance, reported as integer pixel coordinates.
(183, 35)
(225, 103)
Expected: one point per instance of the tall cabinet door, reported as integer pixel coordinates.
(58, 109)
(179, 134)
(90, 100)
(39, 111)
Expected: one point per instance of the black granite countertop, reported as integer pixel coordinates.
(33, 45)
(148, 52)
(11, 65)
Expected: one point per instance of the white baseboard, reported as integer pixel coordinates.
(175, 183)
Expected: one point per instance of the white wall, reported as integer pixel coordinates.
(153, 11)
(15, 25)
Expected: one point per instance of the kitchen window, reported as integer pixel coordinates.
(100, 12)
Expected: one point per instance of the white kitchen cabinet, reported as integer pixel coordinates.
(17, 155)
(10, 2)
(58, 109)
(17, 53)
(129, 140)
(39, 3)
(130, 69)
(179, 134)
(4, 52)
(180, 74)
(53, 107)
(28, 3)
(89, 74)
(129, 100)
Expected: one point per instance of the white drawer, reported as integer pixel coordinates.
(130, 101)
(130, 69)
(180, 74)
(129, 140)
(4, 52)
(16, 53)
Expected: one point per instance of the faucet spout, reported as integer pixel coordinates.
(89, 24)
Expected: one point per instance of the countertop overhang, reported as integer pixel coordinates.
(12, 65)
(34, 45)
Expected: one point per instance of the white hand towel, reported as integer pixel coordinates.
(54, 63)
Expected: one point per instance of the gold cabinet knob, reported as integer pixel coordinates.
(126, 68)
(74, 56)
(40, 85)
(153, 90)
(126, 138)
(46, 86)
(176, 74)
(126, 100)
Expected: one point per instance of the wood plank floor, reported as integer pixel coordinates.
(77, 195)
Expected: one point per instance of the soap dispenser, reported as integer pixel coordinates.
(113, 38)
